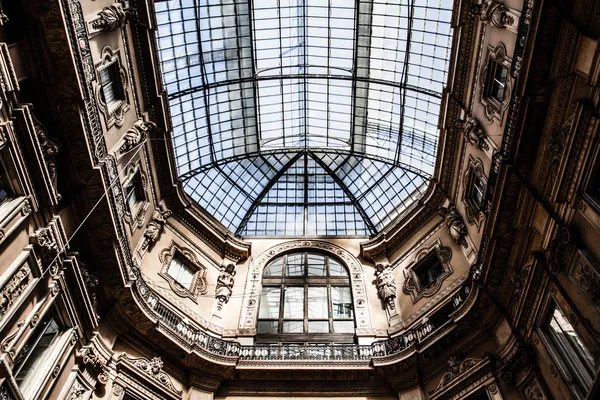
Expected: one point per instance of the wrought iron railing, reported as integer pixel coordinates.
(195, 336)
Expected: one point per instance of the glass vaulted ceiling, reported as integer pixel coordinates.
(304, 117)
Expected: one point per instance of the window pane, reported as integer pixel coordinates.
(429, 270)
(269, 302)
(275, 268)
(179, 270)
(317, 303)
(295, 265)
(343, 326)
(336, 269)
(316, 265)
(341, 300)
(293, 326)
(563, 329)
(294, 302)
(267, 326)
(318, 327)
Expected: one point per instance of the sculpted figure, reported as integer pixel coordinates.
(136, 134)
(455, 224)
(225, 283)
(155, 227)
(386, 286)
(111, 17)
(495, 13)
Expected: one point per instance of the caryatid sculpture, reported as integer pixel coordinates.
(386, 286)
(225, 284)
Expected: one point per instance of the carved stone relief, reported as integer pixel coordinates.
(496, 14)
(386, 286)
(474, 133)
(136, 134)
(153, 369)
(473, 171)
(494, 109)
(456, 369)
(112, 17)
(224, 286)
(13, 289)
(454, 223)
(199, 284)
(155, 227)
(412, 285)
(586, 273)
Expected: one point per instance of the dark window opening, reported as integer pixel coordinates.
(429, 270)
(4, 193)
(496, 83)
(134, 191)
(477, 191)
(110, 80)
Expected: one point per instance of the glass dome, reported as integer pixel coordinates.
(304, 117)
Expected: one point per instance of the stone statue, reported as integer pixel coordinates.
(136, 134)
(112, 17)
(386, 287)
(473, 133)
(225, 284)
(155, 227)
(455, 224)
(495, 13)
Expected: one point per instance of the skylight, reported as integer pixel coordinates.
(304, 117)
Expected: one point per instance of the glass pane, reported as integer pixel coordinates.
(181, 272)
(267, 326)
(293, 326)
(316, 265)
(317, 303)
(295, 265)
(269, 302)
(293, 302)
(318, 327)
(341, 301)
(40, 346)
(336, 269)
(563, 329)
(343, 326)
(275, 268)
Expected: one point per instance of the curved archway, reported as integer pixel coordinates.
(253, 289)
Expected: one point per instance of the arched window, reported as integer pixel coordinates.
(305, 293)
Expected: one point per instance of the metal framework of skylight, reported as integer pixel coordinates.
(343, 88)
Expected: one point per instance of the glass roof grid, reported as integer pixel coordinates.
(252, 174)
(219, 196)
(359, 173)
(272, 220)
(191, 144)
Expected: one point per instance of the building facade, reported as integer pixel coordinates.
(118, 281)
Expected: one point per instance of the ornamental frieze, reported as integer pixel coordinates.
(13, 289)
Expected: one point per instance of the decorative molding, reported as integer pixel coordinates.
(412, 285)
(150, 369)
(585, 272)
(457, 375)
(249, 314)
(474, 170)
(14, 288)
(534, 391)
(139, 131)
(51, 242)
(494, 110)
(199, 284)
(115, 114)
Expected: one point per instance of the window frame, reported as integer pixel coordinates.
(306, 282)
(189, 259)
(570, 373)
(114, 112)
(475, 213)
(412, 284)
(495, 109)
(136, 177)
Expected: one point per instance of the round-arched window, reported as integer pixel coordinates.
(305, 293)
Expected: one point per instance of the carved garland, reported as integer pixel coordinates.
(115, 114)
(252, 291)
(474, 171)
(135, 217)
(494, 110)
(199, 284)
(412, 285)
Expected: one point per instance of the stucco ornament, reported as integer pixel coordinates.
(454, 223)
(473, 133)
(386, 286)
(225, 284)
(112, 17)
(134, 135)
(155, 227)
